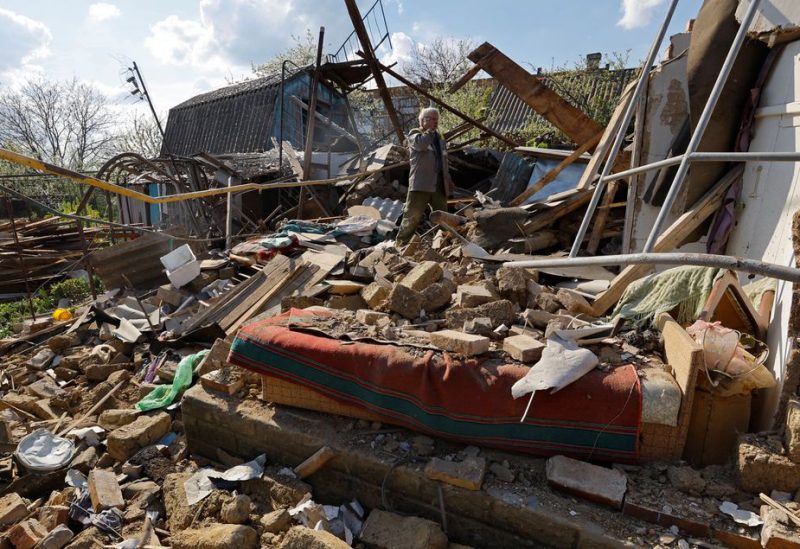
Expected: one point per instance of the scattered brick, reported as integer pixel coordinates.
(466, 474)
(595, 483)
(423, 275)
(405, 301)
(26, 534)
(104, 491)
(122, 443)
(523, 348)
(12, 509)
(459, 342)
(472, 295)
(391, 531)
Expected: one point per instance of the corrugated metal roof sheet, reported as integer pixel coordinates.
(596, 89)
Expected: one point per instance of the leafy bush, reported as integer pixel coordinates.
(44, 300)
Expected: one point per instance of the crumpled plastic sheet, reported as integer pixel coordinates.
(748, 518)
(203, 482)
(43, 451)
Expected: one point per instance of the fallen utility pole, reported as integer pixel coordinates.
(739, 264)
(369, 57)
(445, 106)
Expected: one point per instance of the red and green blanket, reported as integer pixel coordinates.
(597, 417)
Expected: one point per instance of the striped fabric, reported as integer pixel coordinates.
(597, 417)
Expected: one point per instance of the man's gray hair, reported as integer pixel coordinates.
(425, 113)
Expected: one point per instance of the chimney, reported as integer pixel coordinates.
(593, 61)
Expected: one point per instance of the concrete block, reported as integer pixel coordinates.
(171, 295)
(439, 294)
(523, 348)
(423, 275)
(27, 534)
(574, 302)
(301, 537)
(277, 521)
(595, 483)
(116, 418)
(375, 295)
(105, 491)
(350, 302)
(405, 301)
(459, 342)
(100, 372)
(512, 283)
(466, 474)
(122, 443)
(778, 532)
(216, 536)
(472, 295)
(538, 317)
(760, 470)
(792, 434)
(344, 287)
(547, 302)
(390, 531)
(500, 312)
(57, 538)
(52, 516)
(368, 317)
(12, 509)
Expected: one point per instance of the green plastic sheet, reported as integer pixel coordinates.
(164, 395)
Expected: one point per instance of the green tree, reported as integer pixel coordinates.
(302, 52)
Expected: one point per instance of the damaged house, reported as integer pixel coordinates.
(590, 348)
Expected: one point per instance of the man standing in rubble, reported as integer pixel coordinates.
(429, 180)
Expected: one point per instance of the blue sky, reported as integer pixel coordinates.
(187, 47)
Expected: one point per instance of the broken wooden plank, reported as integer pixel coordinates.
(606, 141)
(324, 119)
(602, 216)
(467, 76)
(672, 237)
(567, 118)
(445, 106)
(549, 216)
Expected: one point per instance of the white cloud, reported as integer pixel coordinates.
(402, 49)
(102, 11)
(637, 13)
(23, 41)
(228, 35)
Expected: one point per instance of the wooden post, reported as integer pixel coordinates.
(310, 125)
(369, 56)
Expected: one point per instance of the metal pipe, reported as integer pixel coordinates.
(710, 157)
(626, 120)
(772, 270)
(667, 162)
(744, 157)
(702, 124)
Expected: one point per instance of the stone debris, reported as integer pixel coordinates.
(467, 474)
(391, 531)
(598, 484)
